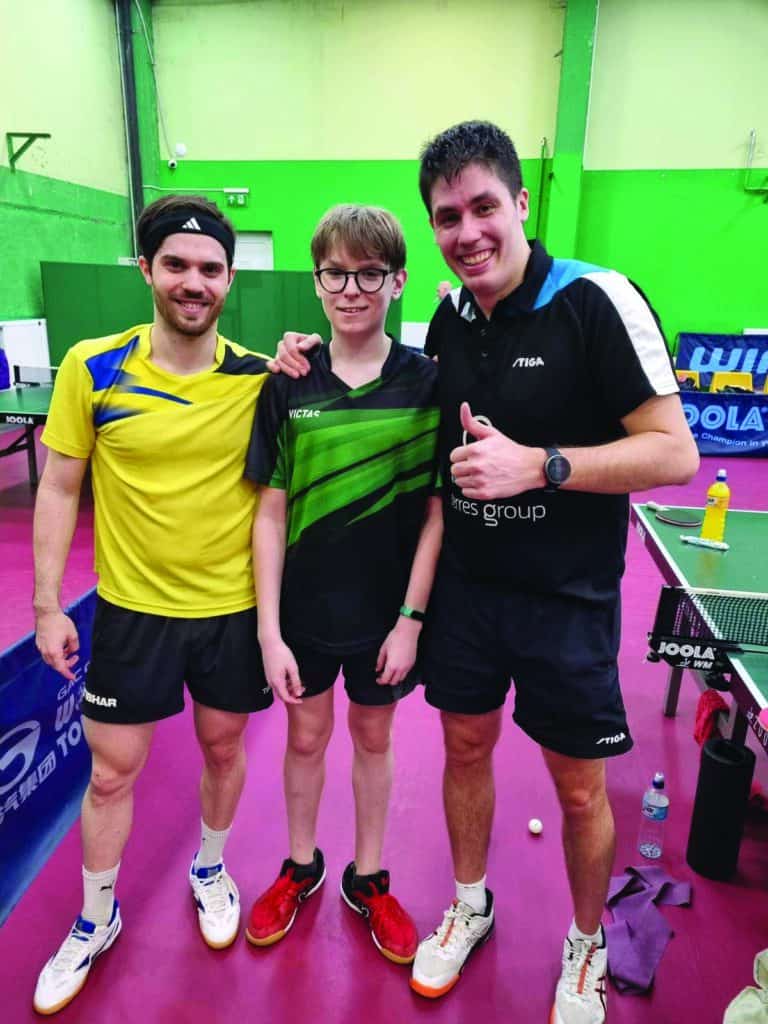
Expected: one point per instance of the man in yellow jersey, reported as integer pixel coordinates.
(163, 413)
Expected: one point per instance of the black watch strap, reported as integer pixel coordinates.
(411, 613)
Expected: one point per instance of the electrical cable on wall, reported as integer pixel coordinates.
(160, 115)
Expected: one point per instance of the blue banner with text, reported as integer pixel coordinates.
(44, 759)
(712, 353)
(727, 424)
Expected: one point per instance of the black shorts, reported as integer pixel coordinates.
(318, 671)
(139, 664)
(560, 650)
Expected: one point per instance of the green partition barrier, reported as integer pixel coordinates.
(86, 300)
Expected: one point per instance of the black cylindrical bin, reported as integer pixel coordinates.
(722, 792)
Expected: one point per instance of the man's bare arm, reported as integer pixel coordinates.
(56, 506)
(658, 450)
(269, 528)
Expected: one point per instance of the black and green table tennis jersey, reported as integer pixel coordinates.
(357, 465)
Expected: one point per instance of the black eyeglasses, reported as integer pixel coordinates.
(369, 280)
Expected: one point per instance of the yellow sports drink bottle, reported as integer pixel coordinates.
(718, 497)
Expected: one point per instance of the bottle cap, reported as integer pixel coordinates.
(658, 780)
(722, 474)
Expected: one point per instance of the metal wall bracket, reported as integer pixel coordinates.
(29, 137)
(760, 190)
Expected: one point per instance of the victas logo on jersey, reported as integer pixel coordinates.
(300, 414)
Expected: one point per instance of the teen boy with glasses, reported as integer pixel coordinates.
(345, 544)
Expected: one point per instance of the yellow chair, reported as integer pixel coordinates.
(688, 375)
(723, 379)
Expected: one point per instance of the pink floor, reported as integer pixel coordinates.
(328, 970)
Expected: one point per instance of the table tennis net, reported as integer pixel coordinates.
(722, 618)
(33, 376)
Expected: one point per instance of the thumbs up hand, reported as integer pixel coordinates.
(493, 465)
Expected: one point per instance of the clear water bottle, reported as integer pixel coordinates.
(650, 841)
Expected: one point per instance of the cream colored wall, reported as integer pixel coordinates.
(59, 73)
(678, 84)
(353, 79)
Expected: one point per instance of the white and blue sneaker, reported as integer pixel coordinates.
(218, 904)
(65, 973)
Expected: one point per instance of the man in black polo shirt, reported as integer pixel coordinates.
(557, 398)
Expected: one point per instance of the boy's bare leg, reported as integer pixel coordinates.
(371, 732)
(310, 725)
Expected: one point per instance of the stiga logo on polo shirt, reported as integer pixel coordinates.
(101, 702)
(528, 361)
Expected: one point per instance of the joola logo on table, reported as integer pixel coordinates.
(22, 420)
(528, 361)
(297, 414)
(672, 649)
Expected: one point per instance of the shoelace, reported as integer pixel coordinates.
(454, 932)
(579, 966)
(285, 890)
(72, 950)
(385, 906)
(216, 893)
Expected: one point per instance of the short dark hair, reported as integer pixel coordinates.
(160, 208)
(451, 151)
(365, 231)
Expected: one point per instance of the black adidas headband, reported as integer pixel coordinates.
(187, 220)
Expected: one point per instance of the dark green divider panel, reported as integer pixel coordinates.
(85, 300)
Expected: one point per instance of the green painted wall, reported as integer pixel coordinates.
(678, 84)
(59, 74)
(693, 240)
(45, 219)
(360, 80)
(289, 197)
(66, 199)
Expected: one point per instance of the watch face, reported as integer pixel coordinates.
(558, 469)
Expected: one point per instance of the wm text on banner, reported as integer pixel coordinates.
(711, 353)
(727, 424)
(44, 759)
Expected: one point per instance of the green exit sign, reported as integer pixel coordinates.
(237, 196)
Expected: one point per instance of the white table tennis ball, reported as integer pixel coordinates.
(535, 827)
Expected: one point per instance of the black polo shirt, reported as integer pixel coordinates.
(560, 361)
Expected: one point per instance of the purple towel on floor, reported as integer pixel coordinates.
(639, 934)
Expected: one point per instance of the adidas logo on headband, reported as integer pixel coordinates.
(187, 219)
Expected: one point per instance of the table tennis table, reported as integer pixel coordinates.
(26, 407)
(742, 568)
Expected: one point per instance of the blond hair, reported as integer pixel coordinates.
(364, 231)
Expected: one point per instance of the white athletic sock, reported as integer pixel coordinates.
(473, 894)
(99, 894)
(211, 850)
(574, 932)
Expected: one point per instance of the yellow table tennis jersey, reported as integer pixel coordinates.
(173, 512)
